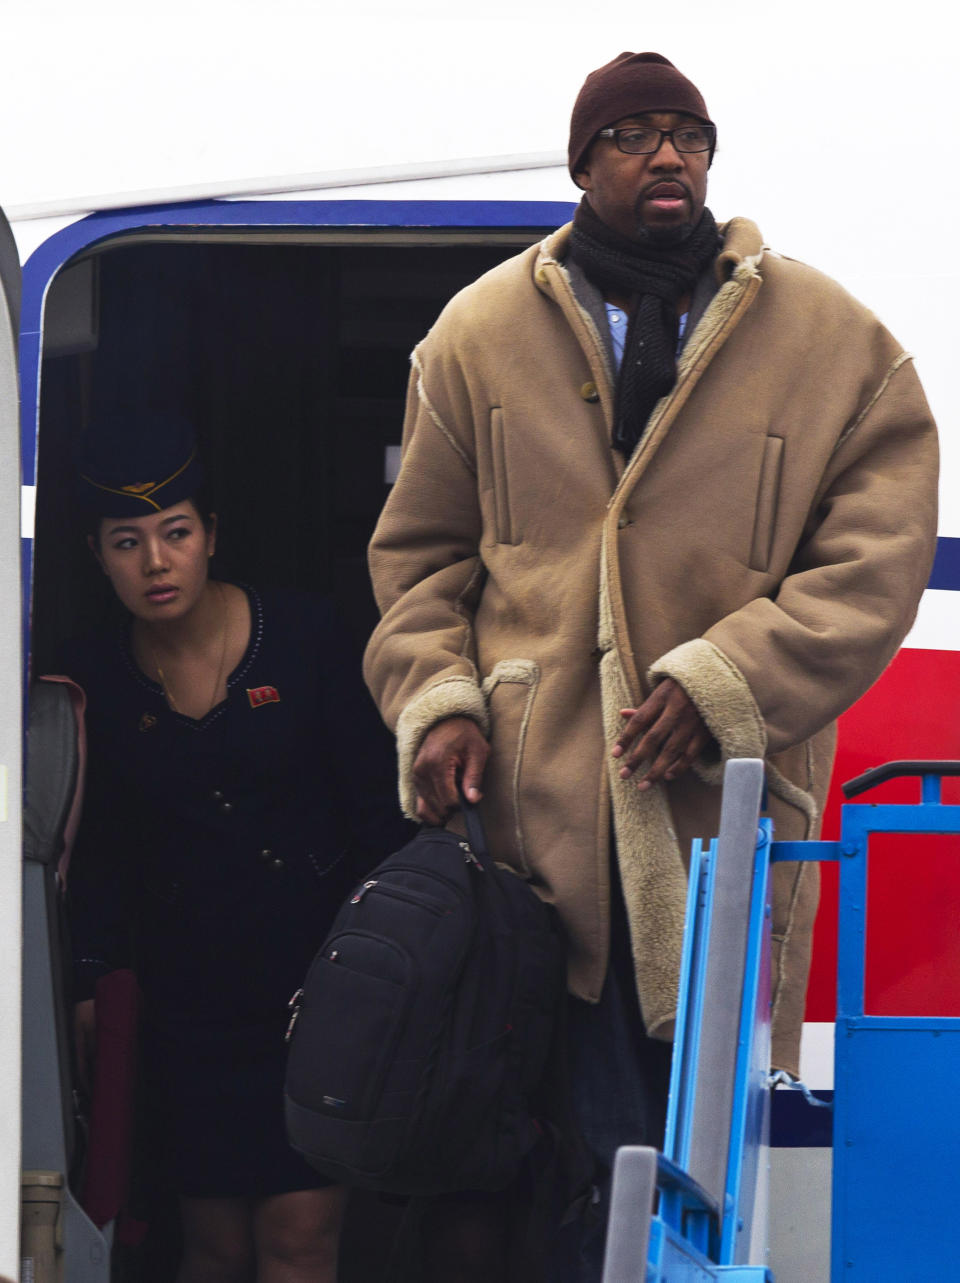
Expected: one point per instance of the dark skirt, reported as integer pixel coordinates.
(214, 1097)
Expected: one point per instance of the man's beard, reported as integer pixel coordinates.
(664, 236)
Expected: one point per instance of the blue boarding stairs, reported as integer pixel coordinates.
(697, 1212)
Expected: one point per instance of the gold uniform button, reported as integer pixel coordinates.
(589, 392)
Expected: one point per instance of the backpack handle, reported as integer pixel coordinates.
(475, 834)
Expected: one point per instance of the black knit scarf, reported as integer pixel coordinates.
(658, 274)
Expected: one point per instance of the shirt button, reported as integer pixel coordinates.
(226, 808)
(589, 392)
(615, 317)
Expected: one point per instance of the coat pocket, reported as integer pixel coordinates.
(502, 515)
(510, 691)
(768, 494)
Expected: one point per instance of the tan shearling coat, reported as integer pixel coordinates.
(766, 546)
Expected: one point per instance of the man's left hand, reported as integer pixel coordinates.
(666, 730)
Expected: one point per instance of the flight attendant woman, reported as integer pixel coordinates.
(233, 796)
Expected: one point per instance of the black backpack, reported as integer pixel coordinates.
(420, 1039)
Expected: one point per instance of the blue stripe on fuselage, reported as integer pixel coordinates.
(946, 565)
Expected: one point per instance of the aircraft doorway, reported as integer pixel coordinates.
(289, 352)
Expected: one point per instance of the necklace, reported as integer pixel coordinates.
(167, 693)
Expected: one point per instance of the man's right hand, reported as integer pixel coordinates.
(453, 749)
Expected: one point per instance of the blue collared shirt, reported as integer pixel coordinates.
(618, 321)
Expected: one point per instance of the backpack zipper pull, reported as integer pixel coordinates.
(362, 891)
(294, 1006)
(470, 858)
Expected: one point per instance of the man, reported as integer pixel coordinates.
(666, 498)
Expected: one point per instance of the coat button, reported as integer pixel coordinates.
(226, 808)
(266, 854)
(216, 795)
(277, 864)
(541, 276)
(623, 521)
(589, 392)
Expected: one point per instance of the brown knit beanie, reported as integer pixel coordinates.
(630, 84)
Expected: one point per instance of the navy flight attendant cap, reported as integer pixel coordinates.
(137, 462)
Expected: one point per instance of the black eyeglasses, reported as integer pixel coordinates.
(643, 140)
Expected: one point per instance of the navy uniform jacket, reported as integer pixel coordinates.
(213, 854)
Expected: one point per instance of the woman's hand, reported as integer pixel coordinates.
(85, 1040)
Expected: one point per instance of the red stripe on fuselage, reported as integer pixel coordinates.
(913, 937)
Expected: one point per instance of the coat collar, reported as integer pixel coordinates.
(738, 277)
(739, 258)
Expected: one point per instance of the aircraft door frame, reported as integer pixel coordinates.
(82, 1243)
(11, 758)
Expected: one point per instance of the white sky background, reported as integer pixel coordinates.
(119, 95)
